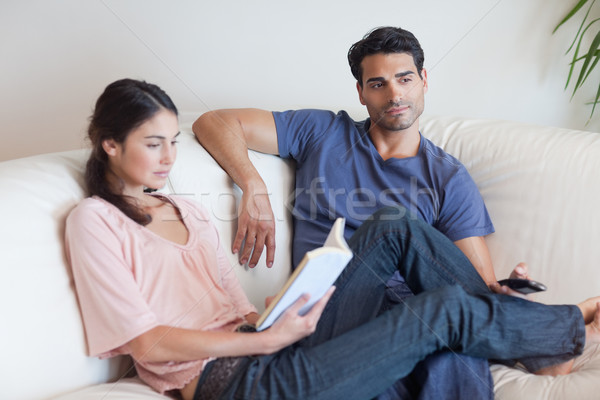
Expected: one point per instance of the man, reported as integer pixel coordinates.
(350, 169)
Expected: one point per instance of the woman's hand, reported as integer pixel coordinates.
(251, 318)
(291, 327)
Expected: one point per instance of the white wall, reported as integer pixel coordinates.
(486, 58)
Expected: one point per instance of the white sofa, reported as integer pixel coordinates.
(541, 186)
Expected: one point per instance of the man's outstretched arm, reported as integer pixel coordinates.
(476, 250)
(227, 135)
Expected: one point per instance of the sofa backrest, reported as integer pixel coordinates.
(541, 186)
(42, 341)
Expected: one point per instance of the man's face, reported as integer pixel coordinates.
(392, 90)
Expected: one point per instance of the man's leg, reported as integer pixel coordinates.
(447, 376)
(365, 361)
(355, 355)
(393, 240)
(440, 376)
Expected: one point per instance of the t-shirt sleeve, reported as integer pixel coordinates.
(298, 131)
(463, 213)
(113, 309)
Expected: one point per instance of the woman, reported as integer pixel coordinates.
(153, 282)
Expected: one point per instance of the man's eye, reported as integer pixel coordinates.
(174, 142)
(153, 145)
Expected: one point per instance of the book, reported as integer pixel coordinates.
(316, 273)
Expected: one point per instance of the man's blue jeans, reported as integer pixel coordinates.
(440, 376)
(357, 354)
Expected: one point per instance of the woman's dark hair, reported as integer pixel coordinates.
(123, 106)
(385, 40)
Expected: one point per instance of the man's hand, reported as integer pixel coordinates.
(256, 225)
(521, 271)
(227, 135)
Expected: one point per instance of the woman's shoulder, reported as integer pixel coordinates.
(87, 206)
(92, 210)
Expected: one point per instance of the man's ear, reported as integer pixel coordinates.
(360, 96)
(110, 147)
(425, 84)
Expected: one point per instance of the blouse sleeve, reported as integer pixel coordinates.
(229, 278)
(232, 284)
(113, 309)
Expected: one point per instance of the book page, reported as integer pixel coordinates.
(314, 276)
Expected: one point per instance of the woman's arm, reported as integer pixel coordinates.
(164, 343)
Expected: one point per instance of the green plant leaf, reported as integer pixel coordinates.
(571, 13)
(591, 59)
(576, 54)
(582, 57)
(575, 58)
(591, 68)
(588, 58)
(580, 26)
(594, 107)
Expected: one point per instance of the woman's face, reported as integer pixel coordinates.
(146, 156)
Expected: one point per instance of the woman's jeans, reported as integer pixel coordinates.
(358, 352)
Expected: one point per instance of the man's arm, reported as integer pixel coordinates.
(227, 135)
(476, 250)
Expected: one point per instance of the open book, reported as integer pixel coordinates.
(315, 274)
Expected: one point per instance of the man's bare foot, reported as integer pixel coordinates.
(592, 330)
(558, 369)
(588, 308)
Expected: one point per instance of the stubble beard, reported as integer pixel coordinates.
(399, 122)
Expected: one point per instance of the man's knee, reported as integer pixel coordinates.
(394, 218)
(390, 216)
(393, 213)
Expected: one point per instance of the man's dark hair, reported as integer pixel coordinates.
(385, 40)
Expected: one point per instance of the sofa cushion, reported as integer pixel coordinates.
(44, 348)
(581, 384)
(124, 389)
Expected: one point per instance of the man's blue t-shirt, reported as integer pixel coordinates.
(339, 173)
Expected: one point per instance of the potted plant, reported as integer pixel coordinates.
(585, 61)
